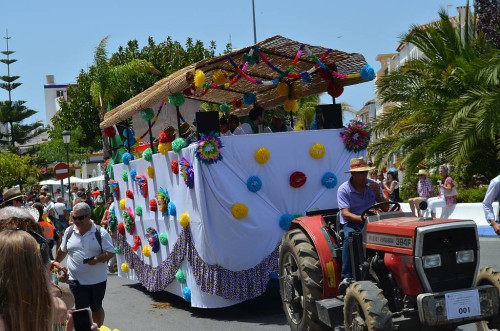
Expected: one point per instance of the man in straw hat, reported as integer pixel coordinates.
(355, 196)
(425, 191)
(278, 123)
(13, 197)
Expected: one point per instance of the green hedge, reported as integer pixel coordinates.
(471, 194)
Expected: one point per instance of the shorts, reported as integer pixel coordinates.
(88, 295)
(61, 224)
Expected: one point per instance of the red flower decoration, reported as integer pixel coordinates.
(121, 229)
(129, 194)
(187, 92)
(162, 137)
(175, 166)
(137, 243)
(237, 102)
(297, 179)
(153, 205)
(110, 131)
(334, 90)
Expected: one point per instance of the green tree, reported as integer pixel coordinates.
(13, 130)
(17, 170)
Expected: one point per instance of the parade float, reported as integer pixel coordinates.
(204, 221)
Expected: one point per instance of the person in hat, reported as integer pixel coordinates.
(187, 133)
(425, 191)
(13, 197)
(255, 118)
(278, 123)
(355, 196)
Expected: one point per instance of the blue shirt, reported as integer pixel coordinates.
(492, 194)
(348, 197)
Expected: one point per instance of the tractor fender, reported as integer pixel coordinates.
(327, 249)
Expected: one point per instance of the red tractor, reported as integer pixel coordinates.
(408, 274)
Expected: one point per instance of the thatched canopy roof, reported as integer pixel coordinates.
(279, 50)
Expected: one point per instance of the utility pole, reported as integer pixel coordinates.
(254, 28)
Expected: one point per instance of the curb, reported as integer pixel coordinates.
(486, 231)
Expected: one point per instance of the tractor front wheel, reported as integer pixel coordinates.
(366, 308)
(300, 281)
(489, 276)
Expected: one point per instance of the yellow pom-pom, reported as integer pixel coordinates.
(123, 202)
(317, 151)
(239, 210)
(282, 89)
(291, 106)
(199, 78)
(184, 220)
(124, 267)
(146, 251)
(162, 148)
(151, 172)
(262, 155)
(219, 77)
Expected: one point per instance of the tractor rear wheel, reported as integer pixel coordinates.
(489, 276)
(301, 281)
(366, 308)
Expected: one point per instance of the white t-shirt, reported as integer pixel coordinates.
(80, 247)
(59, 209)
(244, 128)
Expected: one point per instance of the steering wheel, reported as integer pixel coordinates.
(373, 210)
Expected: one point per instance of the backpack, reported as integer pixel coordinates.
(71, 229)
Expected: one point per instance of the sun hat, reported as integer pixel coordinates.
(279, 114)
(359, 164)
(185, 130)
(422, 172)
(11, 194)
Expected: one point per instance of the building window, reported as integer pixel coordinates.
(60, 93)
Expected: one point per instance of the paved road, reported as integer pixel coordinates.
(129, 307)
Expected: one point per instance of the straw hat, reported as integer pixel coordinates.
(11, 194)
(185, 130)
(279, 114)
(422, 172)
(359, 164)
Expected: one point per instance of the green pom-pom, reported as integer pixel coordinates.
(224, 108)
(138, 210)
(147, 114)
(118, 250)
(125, 175)
(178, 144)
(181, 278)
(164, 238)
(176, 99)
(206, 86)
(148, 154)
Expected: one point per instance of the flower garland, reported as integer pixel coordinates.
(208, 148)
(187, 172)
(129, 218)
(356, 136)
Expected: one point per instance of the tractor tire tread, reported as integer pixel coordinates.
(489, 276)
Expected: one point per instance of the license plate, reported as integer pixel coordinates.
(462, 304)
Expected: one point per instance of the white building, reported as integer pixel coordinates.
(53, 93)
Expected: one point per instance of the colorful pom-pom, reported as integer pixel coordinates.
(254, 184)
(297, 179)
(118, 251)
(176, 99)
(367, 72)
(163, 148)
(334, 89)
(162, 137)
(262, 155)
(172, 210)
(329, 180)
(178, 144)
(181, 278)
(110, 131)
(237, 103)
(239, 210)
(291, 106)
(199, 78)
(186, 293)
(187, 92)
(305, 77)
(148, 154)
(138, 210)
(133, 175)
(184, 220)
(125, 175)
(317, 151)
(123, 203)
(285, 221)
(146, 251)
(249, 98)
(164, 238)
(224, 108)
(129, 194)
(121, 228)
(147, 114)
(137, 243)
(130, 143)
(282, 89)
(126, 158)
(174, 165)
(219, 77)
(153, 206)
(151, 172)
(128, 133)
(124, 267)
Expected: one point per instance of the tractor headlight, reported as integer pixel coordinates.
(431, 261)
(466, 256)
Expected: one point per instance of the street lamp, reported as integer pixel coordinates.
(66, 136)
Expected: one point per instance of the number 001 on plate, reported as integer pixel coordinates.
(462, 304)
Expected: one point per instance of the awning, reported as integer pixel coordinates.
(279, 50)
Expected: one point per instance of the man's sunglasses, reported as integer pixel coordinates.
(80, 218)
(44, 245)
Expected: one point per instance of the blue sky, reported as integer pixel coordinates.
(59, 37)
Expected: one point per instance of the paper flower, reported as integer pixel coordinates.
(356, 136)
(317, 151)
(113, 220)
(184, 220)
(129, 194)
(118, 251)
(282, 89)
(224, 108)
(297, 179)
(153, 240)
(124, 267)
(133, 174)
(110, 131)
(262, 155)
(181, 278)
(153, 206)
(126, 158)
(187, 172)
(285, 221)
(172, 210)
(208, 149)
(164, 238)
(123, 203)
(163, 148)
(151, 172)
(137, 243)
(249, 98)
(163, 137)
(114, 188)
(237, 103)
(367, 72)
(329, 180)
(254, 184)
(129, 218)
(145, 251)
(219, 77)
(148, 154)
(162, 199)
(142, 181)
(186, 293)
(178, 144)
(121, 228)
(239, 210)
(199, 78)
(138, 210)
(125, 175)
(176, 99)
(174, 165)
(291, 106)
(147, 114)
